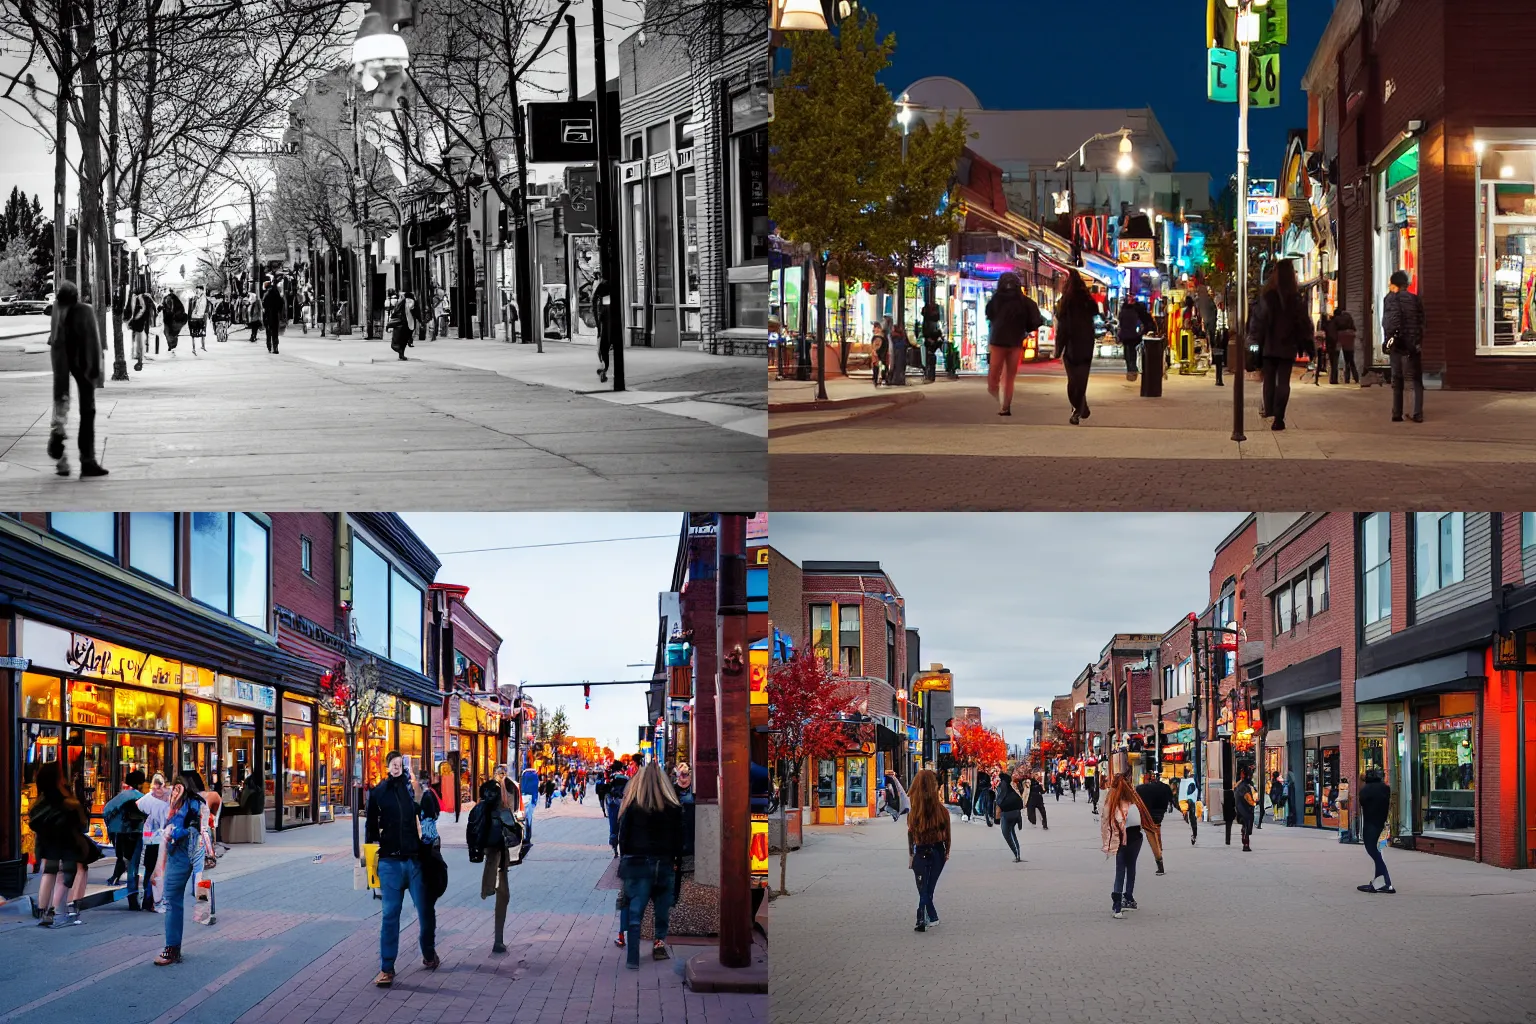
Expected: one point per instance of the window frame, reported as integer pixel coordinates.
(114, 556)
(306, 556)
(810, 621)
(357, 539)
(176, 559)
(1285, 614)
(266, 531)
(1383, 566)
(229, 566)
(1527, 530)
(1436, 559)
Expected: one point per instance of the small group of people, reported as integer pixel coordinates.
(892, 350)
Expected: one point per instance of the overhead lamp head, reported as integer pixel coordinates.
(801, 16)
(1478, 145)
(1125, 143)
(1124, 164)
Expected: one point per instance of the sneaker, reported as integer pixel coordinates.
(1418, 419)
(933, 919)
(1385, 889)
(1395, 419)
(61, 468)
(1367, 887)
(1128, 904)
(383, 979)
(71, 918)
(921, 926)
(619, 941)
(1116, 914)
(500, 947)
(659, 951)
(46, 920)
(55, 446)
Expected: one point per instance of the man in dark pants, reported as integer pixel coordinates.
(1244, 797)
(273, 312)
(1402, 325)
(75, 352)
(1228, 811)
(1375, 799)
(1154, 792)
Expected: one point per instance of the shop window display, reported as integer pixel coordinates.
(1447, 775)
(1506, 214)
(856, 793)
(1398, 215)
(151, 712)
(40, 697)
(90, 704)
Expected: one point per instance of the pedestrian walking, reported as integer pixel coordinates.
(984, 796)
(602, 308)
(1276, 797)
(618, 784)
(253, 315)
(173, 314)
(1292, 799)
(402, 324)
(933, 341)
(1072, 781)
(1013, 316)
(222, 316)
(492, 834)
(1244, 797)
(155, 805)
(528, 786)
(1228, 811)
(198, 309)
(901, 351)
(1120, 828)
(879, 354)
(391, 823)
(141, 317)
(74, 352)
(434, 869)
(182, 842)
(650, 853)
(965, 800)
(1208, 326)
(1375, 802)
(1036, 803)
(1075, 341)
(1320, 342)
(1344, 338)
(128, 840)
(549, 791)
(1402, 328)
(1131, 325)
(1056, 786)
(441, 309)
(59, 825)
(928, 841)
(1281, 329)
(1329, 325)
(1010, 808)
(1091, 785)
(306, 310)
(1156, 797)
(896, 800)
(274, 310)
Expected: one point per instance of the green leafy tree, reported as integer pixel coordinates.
(559, 727)
(918, 216)
(15, 266)
(829, 145)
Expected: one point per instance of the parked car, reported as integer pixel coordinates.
(12, 305)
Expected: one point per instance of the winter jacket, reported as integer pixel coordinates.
(75, 345)
(1075, 330)
(1240, 797)
(273, 306)
(1402, 322)
(1375, 802)
(58, 835)
(392, 814)
(1013, 315)
(114, 812)
(1036, 797)
(141, 312)
(529, 783)
(1008, 798)
(223, 312)
(1279, 333)
(933, 329)
(1157, 796)
(1112, 826)
(1205, 306)
(1133, 322)
(172, 313)
(644, 833)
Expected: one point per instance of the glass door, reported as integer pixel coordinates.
(201, 756)
(855, 791)
(826, 792)
(1329, 764)
(88, 773)
(40, 745)
(1312, 782)
(332, 765)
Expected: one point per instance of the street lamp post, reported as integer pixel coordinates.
(1247, 34)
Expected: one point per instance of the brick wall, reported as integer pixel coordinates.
(786, 597)
(1514, 569)
(312, 596)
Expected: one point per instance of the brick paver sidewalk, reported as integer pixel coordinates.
(294, 943)
(1278, 935)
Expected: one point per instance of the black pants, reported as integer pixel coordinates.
(1372, 837)
(1219, 360)
(1247, 830)
(1407, 367)
(1350, 372)
(1041, 810)
(151, 858)
(1077, 386)
(271, 325)
(603, 347)
(1011, 824)
(1277, 386)
(62, 375)
(1130, 355)
(1194, 821)
(124, 844)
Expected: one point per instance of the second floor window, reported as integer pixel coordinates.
(152, 545)
(1440, 549)
(1528, 529)
(821, 633)
(306, 556)
(95, 530)
(850, 640)
(1285, 615)
(386, 608)
(229, 567)
(1376, 567)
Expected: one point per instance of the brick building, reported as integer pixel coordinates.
(1113, 684)
(1422, 140)
(471, 730)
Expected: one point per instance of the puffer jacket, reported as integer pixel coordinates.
(1279, 333)
(1013, 315)
(1074, 330)
(1402, 322)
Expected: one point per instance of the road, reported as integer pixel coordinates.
(1277, 936)
(951, 451)
(294, 943)
(337, 422)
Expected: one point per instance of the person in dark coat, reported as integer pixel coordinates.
(602, 309)
(402, 319)
(173, 313)
(1209, 326)
(1344, 337)
(1010, 808)
(1013, 317)
(984, 797)
(1132, 323)
(1075, 311)
(650, 849)
(1228, 811)
(1281, 328)
(273, 312)
(1402, 326)
(1375, 801)
(933, 341)
(391, 823)
(75, 353)
(1036, 803)
(1244, 798)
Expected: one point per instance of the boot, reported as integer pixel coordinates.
(73, 916)
(133, 901)
(169, 955)
(1160, 866)
(88, 469)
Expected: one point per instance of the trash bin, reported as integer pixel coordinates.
(1152, 367)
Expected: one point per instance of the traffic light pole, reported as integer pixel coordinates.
(607, 320)
(522, 255)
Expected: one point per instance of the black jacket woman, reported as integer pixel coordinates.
(58, 822)
(1281, 328)
(1036, 803)
(1010, 807)
(495, 816)
(172, 315)
(402, 323)
(650, 850)
(1075, 341)
(984, 797)
(1014, 317)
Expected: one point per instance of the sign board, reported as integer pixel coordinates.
(1275, 23)
(1221, 75)
(1260, 187)
(16, 664)
(247, 694)
(758, 664)
(1262, 228)
(759, 845)
(1264, 80)
(1137, 252)
(562, 132)
(580, 200)
(1262, 208)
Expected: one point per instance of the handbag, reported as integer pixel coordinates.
(511, 829)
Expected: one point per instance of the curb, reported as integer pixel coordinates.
(856, 408)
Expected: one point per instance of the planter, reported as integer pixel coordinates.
(13, 878)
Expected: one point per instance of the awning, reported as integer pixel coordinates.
(1460, 671)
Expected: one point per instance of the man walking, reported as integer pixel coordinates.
(273, 312)
(1375, 799)
(1154, 792)
(141, 316)
(1189, 799)
(1134, 321)
(1402, 325)
(391, 823)
(75, 352)
(528, 784)
(197, 319)
(1091, 784)
(1245, 797)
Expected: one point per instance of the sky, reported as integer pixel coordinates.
(1097, 54)
(569, 613)
(1015, 604)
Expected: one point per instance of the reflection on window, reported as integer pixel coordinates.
(210, 559)
(251, 571)
(1284, 615)
(1377, 567)
(96, 530)
(1446, 774)
(821, 632)
(850, 641)
(152, 544)
(405, 622)
(1440, 538)
(370, 598)
(1528, 529)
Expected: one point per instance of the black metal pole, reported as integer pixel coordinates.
(570, 53)
(466, 288)
(522, 256)
(608, 323)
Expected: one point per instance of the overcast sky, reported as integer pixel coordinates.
(1015, 604)
(581, 611)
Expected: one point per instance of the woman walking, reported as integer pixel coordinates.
(172, 315)
(1075, 341)
(984, 796)
(1013, 317)
(155, 805)
(1281, 328)
(59, 823)
(965, 800)
(1120, 829)
(223, 316)
(650, 851)
(182, 840)
(1010, 807)
(1276, 797)
(1036, 803)
(402, 322)
(927, 843)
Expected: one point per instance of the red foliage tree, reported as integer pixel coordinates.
(976, 746)
(806, 705)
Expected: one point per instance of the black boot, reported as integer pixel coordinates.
(133, 901)
(1160, 866)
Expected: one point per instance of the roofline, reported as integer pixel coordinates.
(1341, 25)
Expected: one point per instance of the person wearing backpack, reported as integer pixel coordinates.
(1010, 807)
(1402, 325)
(392, 813)
(141, 316)
(528, 785)
(58, 822)
(491, 834)
(1013, 316)
(125, 824)
(618, 782)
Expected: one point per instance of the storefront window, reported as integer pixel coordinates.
(410, 747)
(298, 760)
(210, 559)
(1377, 567)
(751, 196)
(467, 675)
(152, 545)
(690, 239)
(151, 712)
(332, 767)
(88, 770)
(664, 292)
(40, 697)
(1446, 776)
(1506, 227)
(405, 622)
(826, 783)
(96, 530)
(1439, 538)
(198, 719)
(90, 704)
(856, 783)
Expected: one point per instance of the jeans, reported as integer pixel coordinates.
(1011, 822)
(1125, 865)
(1406, 367)
(1077, 387)
(1219, 360)
(87, 388)
(1277, 386)
(927, 865)
(135, 847)
(613, 822)
(530, 804)
(178, 870)
(1194, 821)
(646, 879)
(1372, 837)
(396, 875)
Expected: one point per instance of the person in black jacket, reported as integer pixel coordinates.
(75, 355)
(933, 341)
(984, 797)
(1402, 326)
(1036, 803)
(1010, 806)
(650, 849)
(273, 312)
(1014, 317)
(1281, 328)
(1075, 341)
(1244, 799)
(1158, 797)
(1375, 801)
(58, 822)
(495, 797)
(392, 812)
(1131, 324)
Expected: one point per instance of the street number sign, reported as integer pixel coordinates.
(1221, 75)
(1264, 80)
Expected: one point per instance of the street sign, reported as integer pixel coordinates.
(1265, 209)
(580, 200)
(1264, 80)
(562, 132)
(1264, 228)
(1275, 26)
(1137, 252)
(1262, 187)
(1221, 75)
(16, 664)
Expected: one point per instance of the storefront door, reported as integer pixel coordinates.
(332, 765)
(237, 736)
(829, 810)
(40, 745)
(88, 772)
(201, 756)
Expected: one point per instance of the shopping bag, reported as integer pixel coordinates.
(371, 863)
(203, 910)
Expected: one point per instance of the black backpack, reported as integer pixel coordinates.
(472, 833)
(133, 818)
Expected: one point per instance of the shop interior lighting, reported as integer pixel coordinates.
(802, 15)
(1478, 145)
(1507, 171)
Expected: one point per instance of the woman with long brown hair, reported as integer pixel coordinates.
(927, 843)
(650, 851)
(1075, 341)
(1120, 827)
(1281, 327)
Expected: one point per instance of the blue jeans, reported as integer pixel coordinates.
(927, 864)
(178, 870)
(396, 875)
(1125, 865)
(613, 823)
(646, 879)
(133, 863)
(530, 804)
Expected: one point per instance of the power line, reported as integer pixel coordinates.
(560, 544)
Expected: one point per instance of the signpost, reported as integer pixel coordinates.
(1221, 75)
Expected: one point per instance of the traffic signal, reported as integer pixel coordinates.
(586, 694)
(503, 226)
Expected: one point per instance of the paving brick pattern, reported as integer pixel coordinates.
(1277, 936)
(295, 944)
